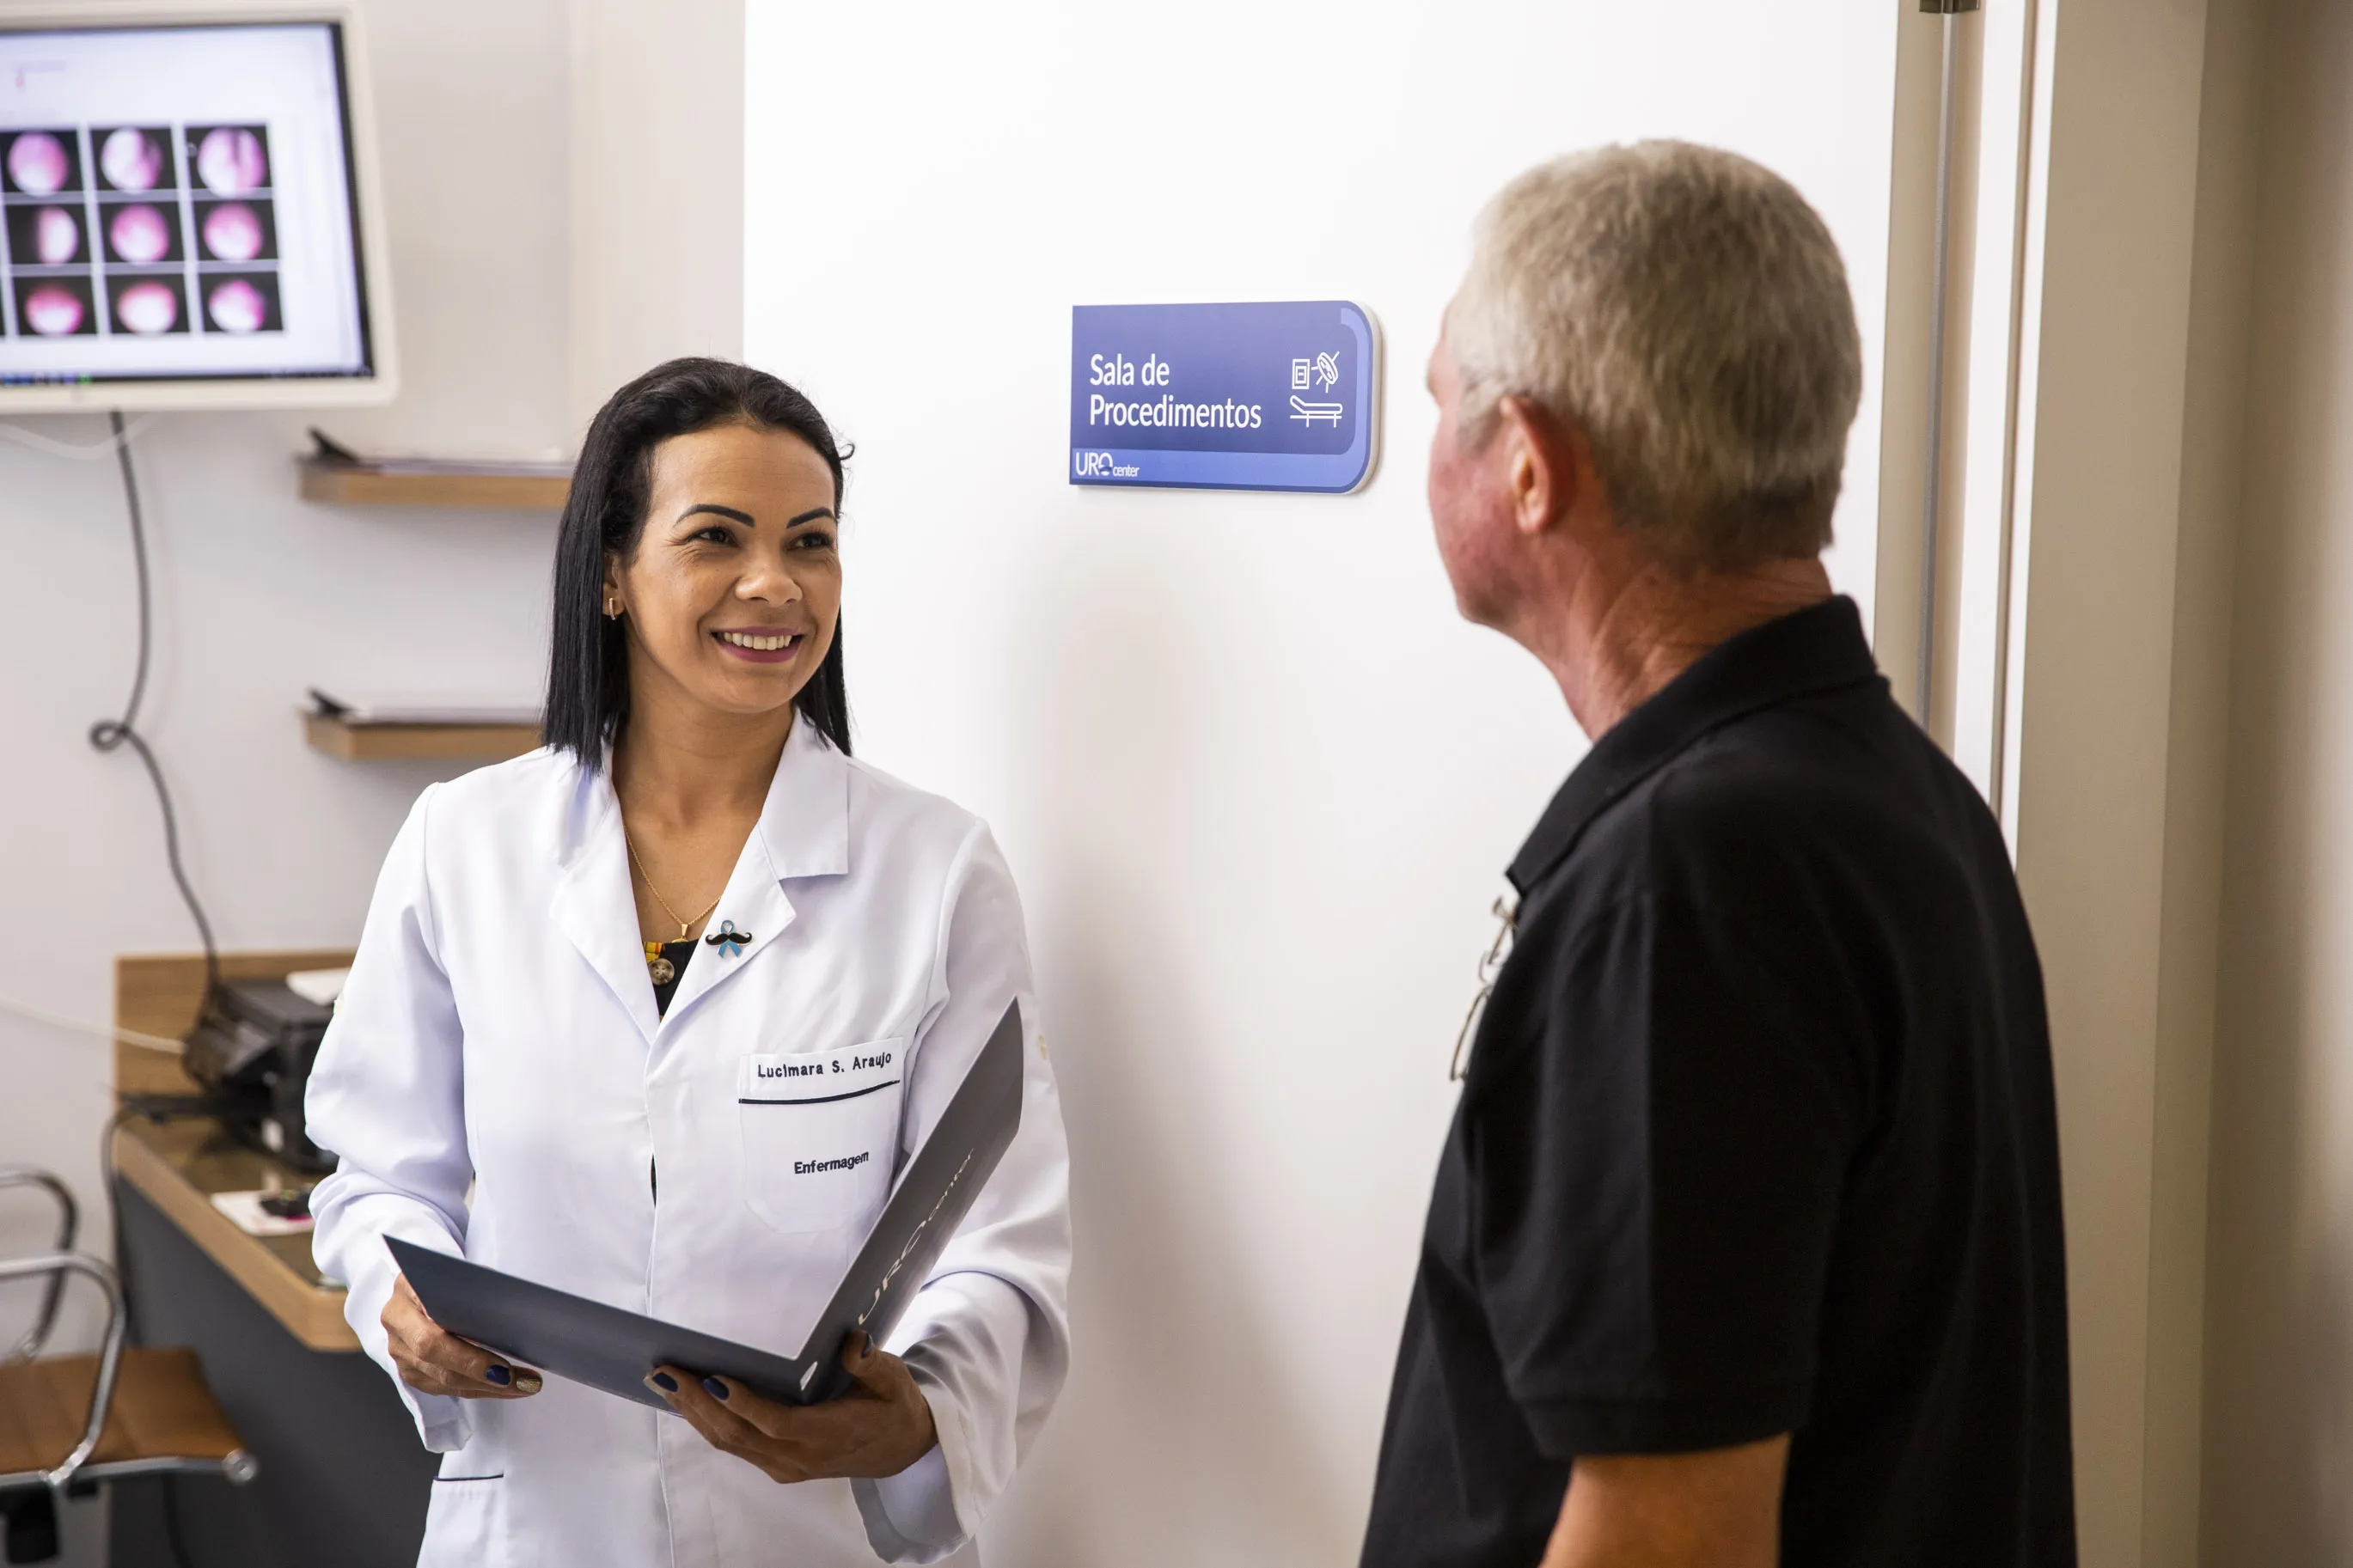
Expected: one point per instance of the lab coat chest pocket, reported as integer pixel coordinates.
(820, 1130)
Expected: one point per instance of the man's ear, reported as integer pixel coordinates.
(1543, 464)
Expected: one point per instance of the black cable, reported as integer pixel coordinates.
(110, 734)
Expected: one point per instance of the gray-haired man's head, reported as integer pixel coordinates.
(1682, 312)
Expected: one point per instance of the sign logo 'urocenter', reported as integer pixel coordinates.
(1276, 397)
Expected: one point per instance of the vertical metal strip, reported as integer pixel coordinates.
(1998, 771)
(1933, 502)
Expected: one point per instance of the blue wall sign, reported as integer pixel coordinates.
(1276, 397)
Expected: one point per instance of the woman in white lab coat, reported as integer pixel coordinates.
(546, 1056)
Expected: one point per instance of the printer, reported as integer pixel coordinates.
(252, 1050)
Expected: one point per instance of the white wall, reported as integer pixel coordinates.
(1256, 779)
(259, 595)
(657, 189)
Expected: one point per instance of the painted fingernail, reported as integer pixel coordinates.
(713, 1387)
(499, 1375)
(664, 1381)
(528, 1382)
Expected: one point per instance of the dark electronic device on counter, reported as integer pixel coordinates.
(253, 1050)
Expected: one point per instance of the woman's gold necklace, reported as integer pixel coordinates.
(659, 968)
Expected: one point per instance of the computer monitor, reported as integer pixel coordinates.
(190, 212)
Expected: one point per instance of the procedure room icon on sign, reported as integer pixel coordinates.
(1323, 372)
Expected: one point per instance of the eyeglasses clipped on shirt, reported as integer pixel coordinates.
(1507, 920)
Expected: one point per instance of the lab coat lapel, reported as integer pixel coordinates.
(595, 903)
(803, 831)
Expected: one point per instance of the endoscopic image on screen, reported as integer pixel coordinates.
(235, 233)
(136, 160)
(54, 307)
(42, 233)
(148, 307)
(39, 162)
(231, 159)
(241, 302)
(140, 234)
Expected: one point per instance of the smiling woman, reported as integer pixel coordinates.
(717, 423)
(565, 1000)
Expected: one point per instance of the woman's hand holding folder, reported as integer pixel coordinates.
(878, 1428)
(434, 1361)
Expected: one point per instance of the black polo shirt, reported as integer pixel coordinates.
(1756, 1137)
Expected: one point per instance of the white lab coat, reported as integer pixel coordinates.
(499, 1032)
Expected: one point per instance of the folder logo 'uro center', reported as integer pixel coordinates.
(912, 1242)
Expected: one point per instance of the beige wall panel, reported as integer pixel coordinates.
(2280, 1330)
(2101, 537)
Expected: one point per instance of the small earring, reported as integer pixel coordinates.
(612, 610)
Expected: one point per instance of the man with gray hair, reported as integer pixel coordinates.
(1744, 1247)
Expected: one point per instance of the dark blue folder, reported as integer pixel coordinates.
(607, 1348)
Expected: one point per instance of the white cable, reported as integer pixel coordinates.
(90, 454)
(56, 1021)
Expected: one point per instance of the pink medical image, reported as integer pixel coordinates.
(140, 235)
(41, 162)
(133, 159)
(231, 160)
(243, 304)
(56, 309)
(56, 236)
(42, 234)
(147, 306)
(235, 231)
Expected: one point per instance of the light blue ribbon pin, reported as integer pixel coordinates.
(728, 939)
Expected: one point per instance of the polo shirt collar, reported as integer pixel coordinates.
(1819, 648)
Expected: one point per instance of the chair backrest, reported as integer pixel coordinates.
(69, 1224)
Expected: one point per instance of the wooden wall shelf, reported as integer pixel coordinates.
(349, 484)
(411, 743)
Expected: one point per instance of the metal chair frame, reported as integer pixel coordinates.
(236, 1467)
(69, 1224)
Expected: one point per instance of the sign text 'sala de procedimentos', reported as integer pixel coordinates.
(1262, 396)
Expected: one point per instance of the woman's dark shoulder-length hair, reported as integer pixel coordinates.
(588, 656)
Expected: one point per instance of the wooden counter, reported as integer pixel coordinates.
(178, 1165)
